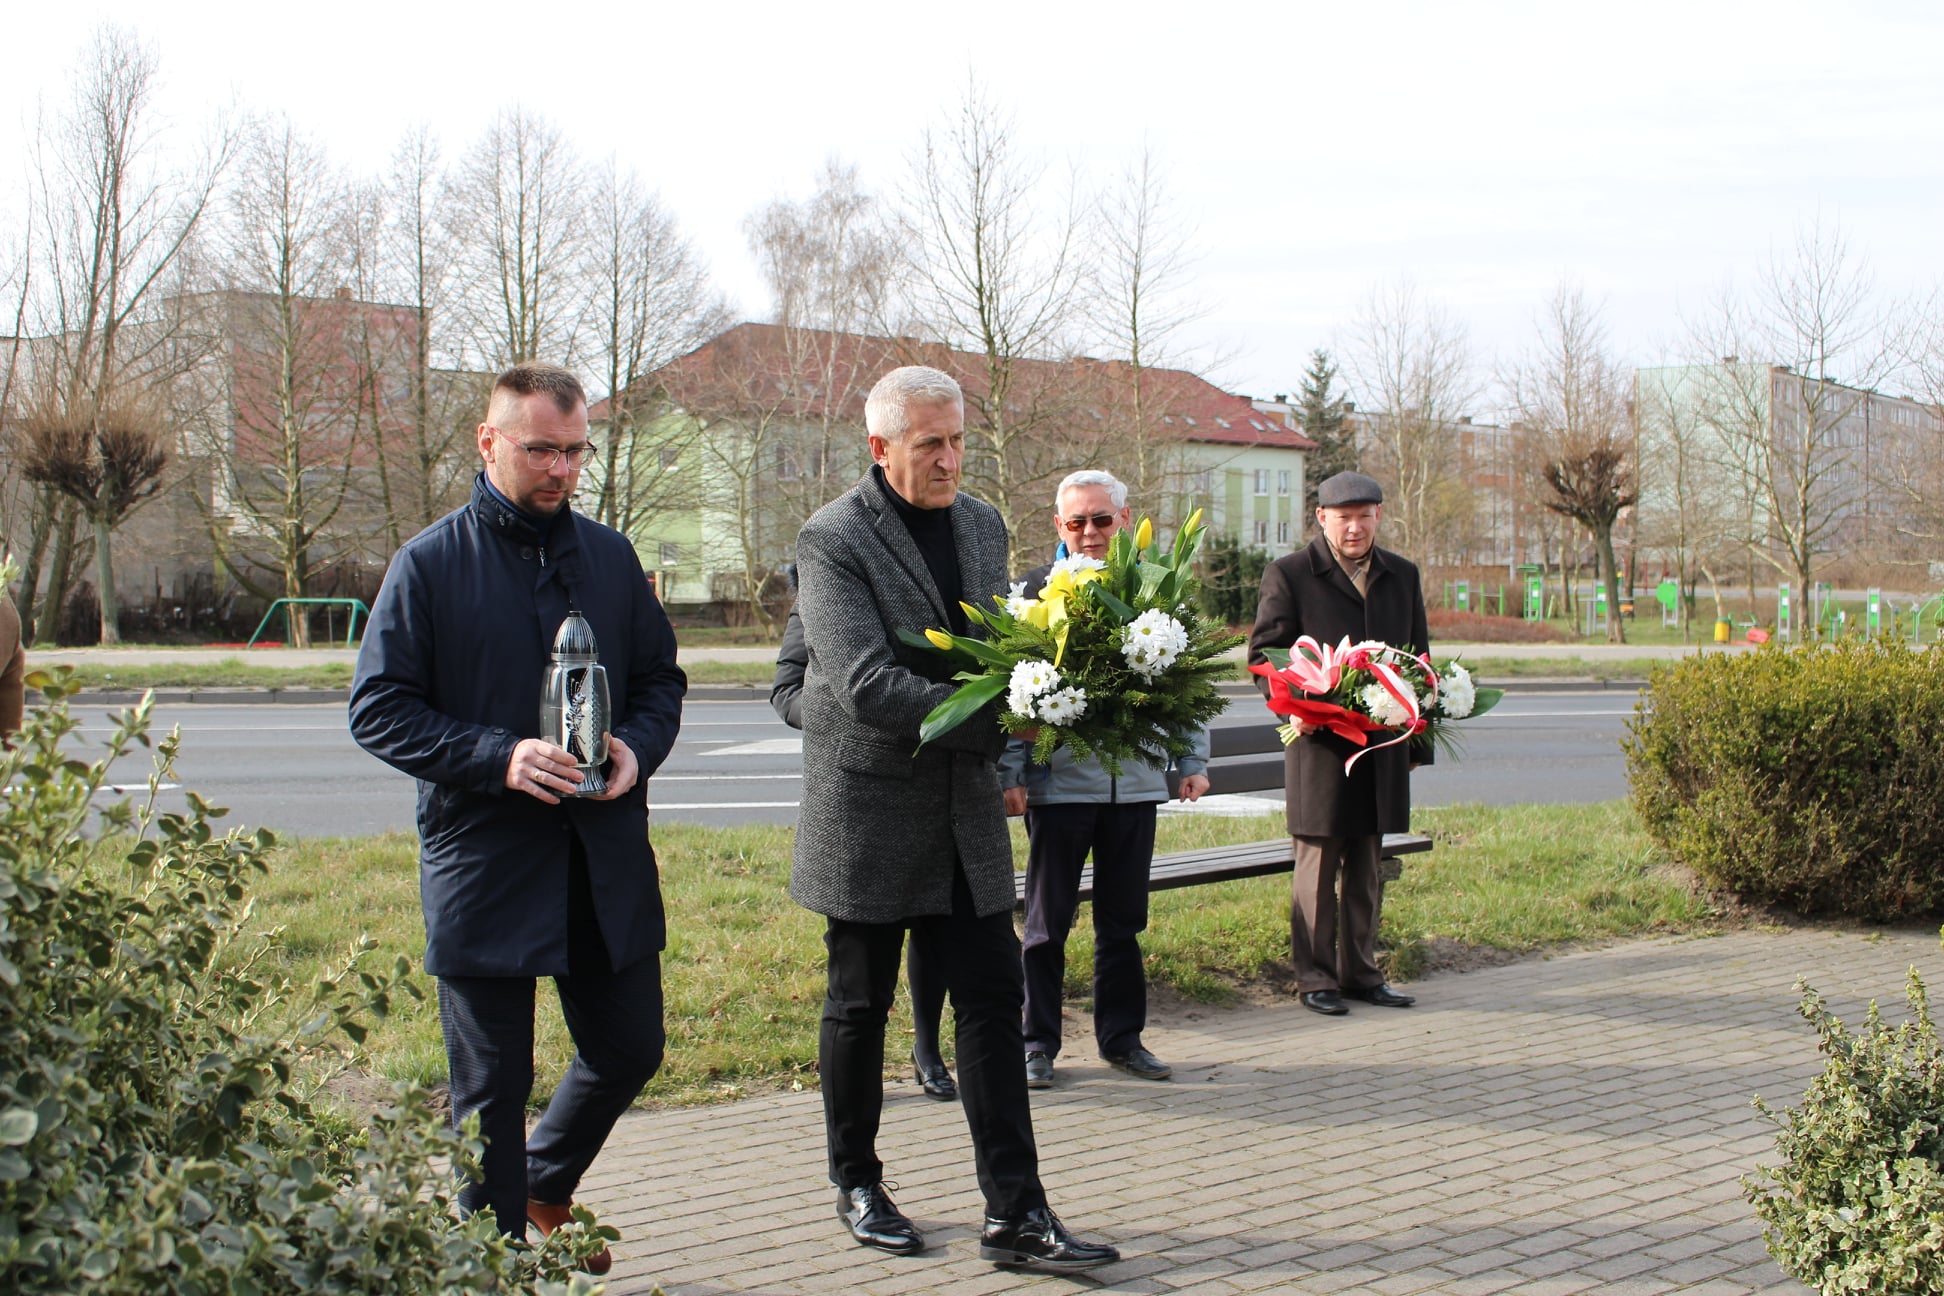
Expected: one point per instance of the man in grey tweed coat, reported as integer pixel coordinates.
(893, 837)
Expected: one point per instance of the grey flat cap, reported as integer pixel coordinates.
(1348, 488)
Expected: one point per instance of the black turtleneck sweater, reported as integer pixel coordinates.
(931, 530)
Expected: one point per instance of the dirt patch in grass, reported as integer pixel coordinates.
(1470, 627)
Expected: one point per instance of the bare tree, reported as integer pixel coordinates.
(105, 459)
(518, 210)
(114, 231)
(1409, 364)
(1137, 277)
(435, 444)
(1574, 397)
(1912, 467)
(831, 265)
(1792, 423)
(996, 272)
(652, 301)
(284, 469)
(1688, 499)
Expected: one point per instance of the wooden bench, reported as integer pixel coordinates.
(1244, 757)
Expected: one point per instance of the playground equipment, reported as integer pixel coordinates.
(356, 606)
(1534, 578)
(1595, 608)
(1668, 595)
(1933, 609)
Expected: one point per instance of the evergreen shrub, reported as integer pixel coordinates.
(157, 1130)
(1857, 1204)
(1809, 777)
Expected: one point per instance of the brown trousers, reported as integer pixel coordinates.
(1334, 947)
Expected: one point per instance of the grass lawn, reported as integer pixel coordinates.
(1477, 659)
(743, 969)
(232, 672)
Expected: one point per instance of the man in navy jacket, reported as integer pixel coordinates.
(519, 878)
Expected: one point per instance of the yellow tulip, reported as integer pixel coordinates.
(1193, 520)
(939, 638)
(1144, 534)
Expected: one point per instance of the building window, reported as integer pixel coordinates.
(1262, 532)
(1282, 529)
(1262, 481)
(786, 468)
(671, 553)
(1282, 481)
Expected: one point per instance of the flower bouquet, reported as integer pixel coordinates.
(1110, 659)
(1359, 691)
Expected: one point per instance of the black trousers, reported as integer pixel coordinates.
(1121, 839)
(978, 961)
(927, 990)
(615, 1018)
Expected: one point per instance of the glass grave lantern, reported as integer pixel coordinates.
(575, 712)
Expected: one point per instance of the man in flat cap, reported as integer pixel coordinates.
(1342, 585)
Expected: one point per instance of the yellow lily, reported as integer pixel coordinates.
(939, 638)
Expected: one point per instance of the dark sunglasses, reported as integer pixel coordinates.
(1101, 521)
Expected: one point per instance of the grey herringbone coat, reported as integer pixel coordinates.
(883, 821)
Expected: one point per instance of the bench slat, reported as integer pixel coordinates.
(1229, 863)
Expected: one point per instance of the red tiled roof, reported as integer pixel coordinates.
(806, 370)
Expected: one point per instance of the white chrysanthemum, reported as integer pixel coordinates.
(1064, 706)
(1460, 695)
(1029, 680)
(1016, 600)
(1077, 563)
(1153, 642)
(1383, 708)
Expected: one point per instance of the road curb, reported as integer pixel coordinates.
(735, 692)
(218, 696)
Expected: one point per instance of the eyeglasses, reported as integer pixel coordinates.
(1101, 521)
(542, 458)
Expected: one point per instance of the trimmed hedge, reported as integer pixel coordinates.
(1809, 777)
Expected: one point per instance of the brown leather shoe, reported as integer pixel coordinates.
(547, 1218)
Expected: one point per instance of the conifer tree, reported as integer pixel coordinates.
(1325, 419)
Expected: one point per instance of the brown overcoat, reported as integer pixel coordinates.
(1307, 593)
(13, 667)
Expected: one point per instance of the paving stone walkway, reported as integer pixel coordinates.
(1574, 1124)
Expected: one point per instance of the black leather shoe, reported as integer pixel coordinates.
(872, 1219)
(936, 1081)
(1137, 1061)
(1039, 1070)
(1383, 996)
(1037, 1240)
(1327, 1002)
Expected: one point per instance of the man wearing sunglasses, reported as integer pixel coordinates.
(520, 877)
(1074, 808)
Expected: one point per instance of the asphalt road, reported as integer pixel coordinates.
(294, 768)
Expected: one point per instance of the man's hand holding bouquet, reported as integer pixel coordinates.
(1112, 659)
(1370, 694)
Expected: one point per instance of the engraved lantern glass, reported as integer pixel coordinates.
(575, 712)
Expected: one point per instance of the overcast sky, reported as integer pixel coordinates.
(1652, 151)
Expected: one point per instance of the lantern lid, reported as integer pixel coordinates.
(575, 640)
